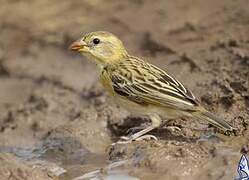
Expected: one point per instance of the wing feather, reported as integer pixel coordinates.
(146, 84)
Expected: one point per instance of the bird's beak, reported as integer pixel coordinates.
(78, 46)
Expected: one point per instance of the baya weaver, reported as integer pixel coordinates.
(141, 87)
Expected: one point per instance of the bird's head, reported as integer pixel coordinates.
(101, 47)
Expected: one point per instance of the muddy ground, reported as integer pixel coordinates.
(56, 120)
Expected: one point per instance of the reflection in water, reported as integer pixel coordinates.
(108, 173)
(112, 175)
(52, 162)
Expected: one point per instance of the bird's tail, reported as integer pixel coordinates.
(213, 119)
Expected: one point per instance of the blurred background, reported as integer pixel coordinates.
(56, 121)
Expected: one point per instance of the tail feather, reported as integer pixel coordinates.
(214, 120)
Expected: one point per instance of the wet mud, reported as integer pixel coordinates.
(56, 120)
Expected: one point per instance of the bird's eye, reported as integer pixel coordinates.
(96, 41)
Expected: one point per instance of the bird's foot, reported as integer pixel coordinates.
(138, 136)
(173, 128)
(147, 137)
(126, 140)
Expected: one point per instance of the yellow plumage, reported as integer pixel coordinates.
(139, 86)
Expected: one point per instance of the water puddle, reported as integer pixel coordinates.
(93, 167)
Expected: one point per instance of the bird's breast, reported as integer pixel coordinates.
(106, 82)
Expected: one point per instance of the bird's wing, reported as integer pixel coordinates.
(146, 84)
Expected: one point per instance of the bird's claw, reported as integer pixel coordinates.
(126, 140)
(173, 128)
(147, 137)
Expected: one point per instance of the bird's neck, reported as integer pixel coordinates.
(110, 64)
(100, 67)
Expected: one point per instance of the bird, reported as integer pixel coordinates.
(140, 87)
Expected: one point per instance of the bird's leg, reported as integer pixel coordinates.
(134, 129)
(156, 122)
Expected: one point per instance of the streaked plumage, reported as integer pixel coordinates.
(139, 86)
(144, 83)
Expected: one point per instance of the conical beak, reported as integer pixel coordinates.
(77, 46)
